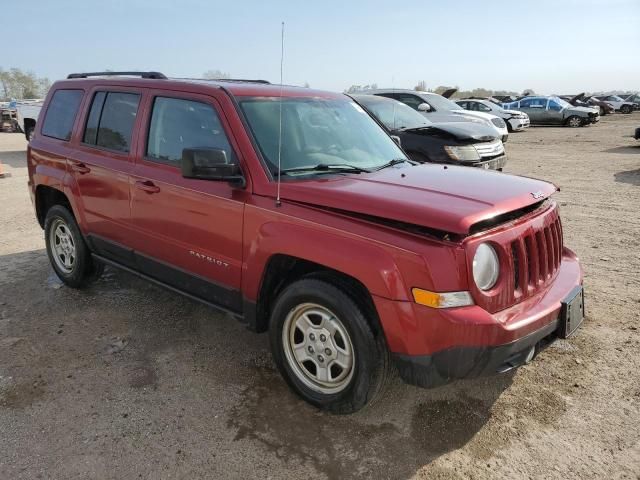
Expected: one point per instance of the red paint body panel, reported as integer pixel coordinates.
(241, 229)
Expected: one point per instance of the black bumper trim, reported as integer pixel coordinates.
(470, 362)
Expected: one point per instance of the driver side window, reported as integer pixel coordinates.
(554, 106)
(177, 124)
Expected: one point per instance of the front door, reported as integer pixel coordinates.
(188, 231)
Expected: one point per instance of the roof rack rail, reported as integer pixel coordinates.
(239, 80)
(155, 75)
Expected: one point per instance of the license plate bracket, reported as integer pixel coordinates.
(571, 313)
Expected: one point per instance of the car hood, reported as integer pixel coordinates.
(474, 114)
(447, 116)
(583, 109)
(445, 198)
(459, 130)
(514, 112)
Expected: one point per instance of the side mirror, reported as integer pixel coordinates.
(424, 107)
(210, 164)
(396, 139)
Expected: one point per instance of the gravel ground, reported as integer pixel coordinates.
(127, 380)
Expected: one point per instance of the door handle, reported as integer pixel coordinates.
(147, 186)
(80, 167)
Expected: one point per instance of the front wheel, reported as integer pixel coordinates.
(574, 121)
(68, 253)
(325, 348)
(625, 109)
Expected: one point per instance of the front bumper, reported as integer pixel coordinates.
(430, 371)
(496, 163)
(518, 124)
(432, 347)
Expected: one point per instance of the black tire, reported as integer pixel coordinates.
(29, 133)
(626, 109)
(371, 364)
(83, 269)
(509, 127)
(574, 121)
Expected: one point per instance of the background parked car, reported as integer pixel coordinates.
(581, 100)
(439, 109)
(633, 98)
(462, 143)
(27, 116)
(616, 102)
(516, 121)
(554, 111)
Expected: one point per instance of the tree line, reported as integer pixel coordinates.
(16, 84)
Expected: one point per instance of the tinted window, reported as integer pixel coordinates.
(482, 107)
(412, 100)
(117, 119)
(533, 103)
(178, 124)
(91, 130)
(61, 113)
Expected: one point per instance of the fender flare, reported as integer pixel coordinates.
(370, 264)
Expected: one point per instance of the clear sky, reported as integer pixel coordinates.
(552, 46)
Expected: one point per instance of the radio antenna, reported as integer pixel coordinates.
(278, 203)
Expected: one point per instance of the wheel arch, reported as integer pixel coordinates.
(282, 270)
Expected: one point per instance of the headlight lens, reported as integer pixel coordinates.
(464, 154)
(485, 267)
(498, 122)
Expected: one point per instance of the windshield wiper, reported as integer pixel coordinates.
(391, 163)
(326, 167)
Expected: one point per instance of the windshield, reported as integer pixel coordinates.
(561, 102)
(318, 131)
(394, 115)
(616, 98)
(438, 102)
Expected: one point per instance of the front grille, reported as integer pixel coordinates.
(536, 258)
(529, 245)
(490, 149)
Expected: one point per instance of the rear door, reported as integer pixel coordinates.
(101, 164)
(188, 231)
(535, 108)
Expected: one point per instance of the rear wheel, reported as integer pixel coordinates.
(67, 251)
(325, 348)
(574, 121)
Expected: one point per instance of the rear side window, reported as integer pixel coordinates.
(111, 120)
(61, 114)
(177, 124)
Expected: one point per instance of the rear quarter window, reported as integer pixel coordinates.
(61, 114)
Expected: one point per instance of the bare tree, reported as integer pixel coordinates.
(421, 86)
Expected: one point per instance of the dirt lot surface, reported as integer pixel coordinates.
(127, 380)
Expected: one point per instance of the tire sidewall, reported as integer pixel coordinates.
(366, 349)
(83, 263)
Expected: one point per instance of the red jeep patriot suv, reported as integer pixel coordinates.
(293, 210)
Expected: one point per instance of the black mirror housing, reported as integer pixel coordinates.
(210, 164)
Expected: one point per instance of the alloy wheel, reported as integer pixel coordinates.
(318, 348)
(63, 246)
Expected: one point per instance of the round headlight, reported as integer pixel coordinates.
(485, 267)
